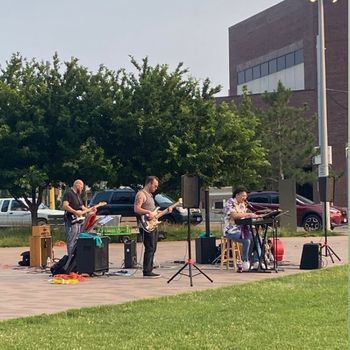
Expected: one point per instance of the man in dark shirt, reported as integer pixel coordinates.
(74, 208)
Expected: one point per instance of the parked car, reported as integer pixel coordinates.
(121, 202)
(13, 213)
(309, 214)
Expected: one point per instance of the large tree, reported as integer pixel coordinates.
(287, 133)
(168, 124)
(60, 121)
(43, 131)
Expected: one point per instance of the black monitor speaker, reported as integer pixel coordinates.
(326, 188)
(190, 191)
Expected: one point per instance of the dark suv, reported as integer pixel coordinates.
(309, 214)
(121, 202)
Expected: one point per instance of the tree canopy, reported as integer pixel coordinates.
(287, 134)
(59, 121)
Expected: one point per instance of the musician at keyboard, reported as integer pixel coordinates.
(235, 209)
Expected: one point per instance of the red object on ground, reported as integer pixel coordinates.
(278, 247)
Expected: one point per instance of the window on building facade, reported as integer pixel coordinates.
(290, 60)
(281, 63)
(299, 56)
(256, 72)
(272, 66)
(264, 69)
(249, 74)
(240, 77)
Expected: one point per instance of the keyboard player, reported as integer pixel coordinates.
(236, 208)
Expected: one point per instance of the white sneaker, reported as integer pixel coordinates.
(255, 265)
(246, 265)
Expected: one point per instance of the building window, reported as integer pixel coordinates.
(249, 74)
(256, 72)
(281, 63)
(299, 56)
(277, 64)
(240, 78)
(290, 60)
(273, 66)
(264, 69)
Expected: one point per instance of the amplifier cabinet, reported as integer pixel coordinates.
(90, 258)
(130, 254)
(40, 250)
(311, 257)
(206, 251)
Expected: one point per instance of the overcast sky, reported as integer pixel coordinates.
(194, 32)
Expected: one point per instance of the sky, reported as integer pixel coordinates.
(107, 32)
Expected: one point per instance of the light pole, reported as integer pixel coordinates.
(323, 170)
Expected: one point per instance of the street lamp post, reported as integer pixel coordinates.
(323, 170)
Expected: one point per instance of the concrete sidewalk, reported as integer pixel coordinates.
(27, 291)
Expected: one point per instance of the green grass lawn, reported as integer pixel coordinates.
(20, 236)
(304, 311)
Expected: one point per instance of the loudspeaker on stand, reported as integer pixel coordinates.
(190, 191)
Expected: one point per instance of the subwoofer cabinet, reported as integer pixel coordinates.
(90, 258)
(206, 251)
(40, 250)
(311, 257)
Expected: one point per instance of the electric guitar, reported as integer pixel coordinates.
(80, 219)
(151, 224)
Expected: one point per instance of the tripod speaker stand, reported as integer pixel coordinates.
(189, 262)
(326, 187)
(328, 251)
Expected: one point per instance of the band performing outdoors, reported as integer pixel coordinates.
(252, 233)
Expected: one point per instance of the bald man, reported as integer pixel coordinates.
(73, 206)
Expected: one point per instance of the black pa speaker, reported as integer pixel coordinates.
(311, 257)
(130, 254)
(206, 250)
(326, 188)
(190, 191)
(90, 258)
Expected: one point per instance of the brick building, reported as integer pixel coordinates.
(280, 44)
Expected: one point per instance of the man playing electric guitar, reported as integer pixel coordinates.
(74, 208)
(145, 205)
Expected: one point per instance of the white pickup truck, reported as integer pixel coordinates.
(13, 213)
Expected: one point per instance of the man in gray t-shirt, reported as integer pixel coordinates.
(145, 205)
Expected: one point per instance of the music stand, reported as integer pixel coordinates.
(189, 262)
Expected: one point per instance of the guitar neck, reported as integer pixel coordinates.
(165, 211)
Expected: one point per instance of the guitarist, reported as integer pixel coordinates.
(74, 207)
(145, 205)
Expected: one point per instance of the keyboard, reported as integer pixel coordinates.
(254, 221)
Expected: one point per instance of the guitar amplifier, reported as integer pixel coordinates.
(40, 250)
(90, 258)
(130, 254)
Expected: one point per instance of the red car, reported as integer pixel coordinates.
(309, 214)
